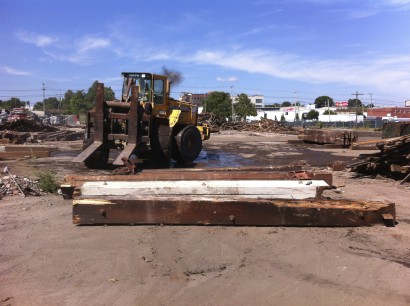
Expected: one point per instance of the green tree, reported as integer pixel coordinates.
(352, 103)
(77, 104)
(282, 118)
(329, 112)
(312, 115)
(65, 103)
(219, 103)
(322, 101)
(273, 105)
(13, 103)
(52, 103)
(109, 94)
(244, 107)
(38, 106)
(286, 104)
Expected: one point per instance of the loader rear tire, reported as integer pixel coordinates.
(188, 144)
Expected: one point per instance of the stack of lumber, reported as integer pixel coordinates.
(14, 137)
(216, 197)
(393, 160)
(336, 137)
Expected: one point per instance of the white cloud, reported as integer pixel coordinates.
(80, 51)
(398, 2)
(228, 79)
(90, 43)
(13, 71)
(389, 73)
(84, 51)
(39, 40)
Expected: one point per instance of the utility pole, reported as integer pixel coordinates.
(371, 99)
(44, 99)
(357, 94)
(328, 109)
(232, 103)
(296, 105)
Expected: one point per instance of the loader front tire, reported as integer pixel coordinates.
(188, 143)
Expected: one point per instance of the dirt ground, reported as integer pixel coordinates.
(46, 260)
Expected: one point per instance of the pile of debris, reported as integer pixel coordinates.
(23, 131)
(264, 125)
(217, 123)
(25, 125)
(213, 121)
(11, 185)
(393, 160)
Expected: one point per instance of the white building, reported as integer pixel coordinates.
(257, 100)
(290, 114)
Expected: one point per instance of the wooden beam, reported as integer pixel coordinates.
(250, 173)
(20, 154)
(283, 189)
(229, 210)
(18, 148)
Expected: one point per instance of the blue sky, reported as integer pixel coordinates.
(283, 49)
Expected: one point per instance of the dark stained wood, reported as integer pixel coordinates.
(229, 211)
(329, 136)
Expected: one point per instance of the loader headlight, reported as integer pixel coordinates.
(162, 112)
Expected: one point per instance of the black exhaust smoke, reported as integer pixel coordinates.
(175, 77)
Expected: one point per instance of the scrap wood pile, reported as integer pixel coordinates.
(11, 185)
(59, 135)
(393, 160)
(217, 123)
(264, 125)
(23, 130)
(24, 125)
(213, 121)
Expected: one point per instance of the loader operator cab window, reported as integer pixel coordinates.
(126, 88)
(145, 87)
(158, 91)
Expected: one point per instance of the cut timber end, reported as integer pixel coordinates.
(230, 210)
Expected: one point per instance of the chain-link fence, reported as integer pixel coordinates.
(367, 123)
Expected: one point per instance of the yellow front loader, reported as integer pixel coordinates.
(145, 122)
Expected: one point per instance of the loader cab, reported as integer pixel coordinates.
(153, 89)
(143, 80)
